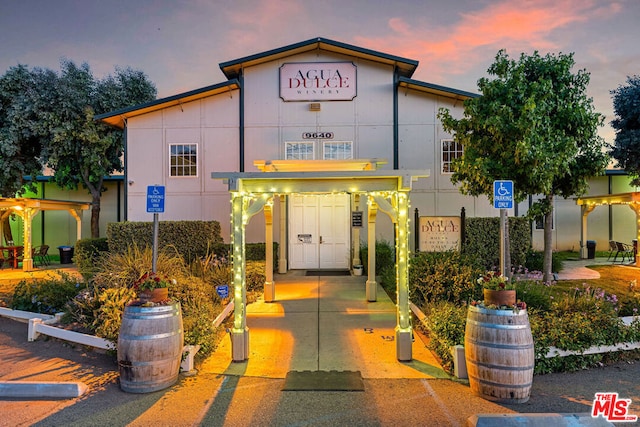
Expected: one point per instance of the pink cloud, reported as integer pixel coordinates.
(518, 26)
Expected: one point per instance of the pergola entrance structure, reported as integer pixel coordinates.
(588, 204)
(27, 209)
(385, 190)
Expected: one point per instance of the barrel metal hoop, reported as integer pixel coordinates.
(150, 337)
(504, 368)
(496, 312)
(498, 326)
(502, 346)
(140, 364)
(494, 384)
(150, 317)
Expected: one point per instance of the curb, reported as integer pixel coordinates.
(35, 389)
(536, 420)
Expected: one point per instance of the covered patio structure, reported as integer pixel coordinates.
(27, 209)
(384, 190)
(588, 204)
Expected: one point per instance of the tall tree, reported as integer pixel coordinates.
(535, 125)
(20, 138)
(626, 106)
(80, 150)
(20, 133)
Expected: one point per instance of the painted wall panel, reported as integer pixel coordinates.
(221, 111)
(146, 121)
(183, 115)
(146, 155)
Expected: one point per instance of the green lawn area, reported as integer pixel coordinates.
(614, 279)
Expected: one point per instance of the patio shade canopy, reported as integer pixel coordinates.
(28, 208)
(386, 190)
(588, 204)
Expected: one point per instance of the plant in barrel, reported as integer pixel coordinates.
(152, 288)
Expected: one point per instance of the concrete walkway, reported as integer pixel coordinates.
(322, 324)
(578, 269)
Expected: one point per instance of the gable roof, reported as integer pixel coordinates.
(436, 89)
(232, 69)
(117, 118)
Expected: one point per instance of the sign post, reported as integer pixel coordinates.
(503, 200)
(155, 205)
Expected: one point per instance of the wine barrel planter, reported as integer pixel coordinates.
(150, 347)
(498, 348)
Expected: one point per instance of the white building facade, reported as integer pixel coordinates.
(317, 100)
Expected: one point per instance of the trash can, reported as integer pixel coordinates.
(357, 270)
(591, 249)
(66, 254)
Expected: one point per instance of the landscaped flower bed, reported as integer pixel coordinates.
(97, 307)
(562, 316)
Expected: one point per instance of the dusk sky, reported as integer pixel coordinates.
(180, 44)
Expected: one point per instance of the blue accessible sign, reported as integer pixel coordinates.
(503, 194)
(155, 199)
(223, 291)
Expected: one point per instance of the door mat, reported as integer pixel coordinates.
(328, 273)
(323, 381)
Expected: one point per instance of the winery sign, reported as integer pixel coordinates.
(439, 234)
(318, 81)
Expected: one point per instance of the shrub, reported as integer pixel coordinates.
(254, 276)
(200, 306)
(47, 296)
(388, 282)
(87, 255)
(99, 310)
(385, 256)
(482, 239)
(445, 324)
(118, 269)
(576, 321)
(191, 239)
(444, 276)
(535, 293)
(534, 260)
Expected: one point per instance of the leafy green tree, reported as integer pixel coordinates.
(535, 125)
(626, 106)
(80, 150)
(20, 138)
(20, 132)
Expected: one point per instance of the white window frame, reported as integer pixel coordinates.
(457, 153)
(287, 152)
(336, 143)
(183, 167)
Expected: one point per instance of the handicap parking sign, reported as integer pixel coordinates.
(155, 199)
(503, 194)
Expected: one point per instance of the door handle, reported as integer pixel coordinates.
(320, 239)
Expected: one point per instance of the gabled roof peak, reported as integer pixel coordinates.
(231, 69)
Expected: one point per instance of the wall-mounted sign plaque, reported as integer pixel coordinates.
(318, 81)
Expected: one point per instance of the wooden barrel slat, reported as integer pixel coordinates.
(150, 347)
(500, 354)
